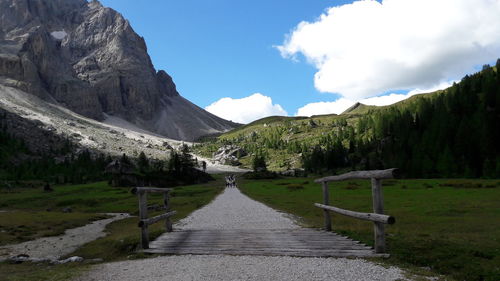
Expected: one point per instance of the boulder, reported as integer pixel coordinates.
(229, 155)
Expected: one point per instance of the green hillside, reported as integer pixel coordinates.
(451, 132)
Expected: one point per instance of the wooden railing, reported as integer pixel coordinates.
(377, 217)
(144, 221)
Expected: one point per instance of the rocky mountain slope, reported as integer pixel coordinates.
(87, 58)
(46, 128)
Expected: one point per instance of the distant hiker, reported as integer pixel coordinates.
(204, 166)
(230, 181)
(233, 180)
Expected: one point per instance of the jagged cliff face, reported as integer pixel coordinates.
(88, 58)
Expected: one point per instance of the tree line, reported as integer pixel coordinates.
(450, 134)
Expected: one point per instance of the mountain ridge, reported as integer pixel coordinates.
(424, 135)
(88, 58)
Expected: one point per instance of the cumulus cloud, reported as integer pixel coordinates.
(342, 104)
(367, 48)
(317, 108)
(246, 109)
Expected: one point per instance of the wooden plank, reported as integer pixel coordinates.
(259, 237)
(235, 235)
(295, 242)
(362, 216)
(339, 254)
(266, 250)
(326, 201)
(269, 251)
(377, 174)
(378, 207)
(155, 219)
(263, 248)
(266, 241)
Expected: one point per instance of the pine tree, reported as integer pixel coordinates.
(142, 162)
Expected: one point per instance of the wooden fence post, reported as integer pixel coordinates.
(378, 208)
(143, 214)
(326, 201)
(166, 203)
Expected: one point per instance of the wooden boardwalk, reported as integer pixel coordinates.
(302, 242)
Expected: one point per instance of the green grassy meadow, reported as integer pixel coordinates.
(451, 226)
(33, 213)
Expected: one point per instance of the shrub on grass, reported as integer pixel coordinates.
(389, 182)
(260, 175)
(294, 186)
(464, 184)
(351, 187)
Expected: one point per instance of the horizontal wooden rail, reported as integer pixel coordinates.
(377, 217)
(374, 174)
(150, 221)
(144, 221)
(363, 216)
(137, 190)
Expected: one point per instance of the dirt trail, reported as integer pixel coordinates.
(54, 247)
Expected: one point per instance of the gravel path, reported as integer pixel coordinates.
(233, 210)
(184, 268)
(54, 247)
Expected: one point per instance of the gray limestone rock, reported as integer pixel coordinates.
(88, 58)
(229, 155)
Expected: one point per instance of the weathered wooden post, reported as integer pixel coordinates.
(378, 208)
(143, 214)
(166, 203)
(326, 201)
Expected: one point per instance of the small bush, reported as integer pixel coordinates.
(260, 175)
(428, 185)
(351, 187)
(294, 186)
(465, 184)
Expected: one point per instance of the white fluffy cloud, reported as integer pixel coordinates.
(342, 104)
(367, 48)
(246, 109)
(317, 108)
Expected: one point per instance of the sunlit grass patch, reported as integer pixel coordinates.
(449, 225)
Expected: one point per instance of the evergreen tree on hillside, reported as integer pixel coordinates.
(259, 162)
(142, 162)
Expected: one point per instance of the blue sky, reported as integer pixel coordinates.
(226, 48)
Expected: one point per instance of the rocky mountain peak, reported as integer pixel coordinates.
(88, 58)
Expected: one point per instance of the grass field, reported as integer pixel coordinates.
(34, 213)
(449, 226)
(29, 225)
